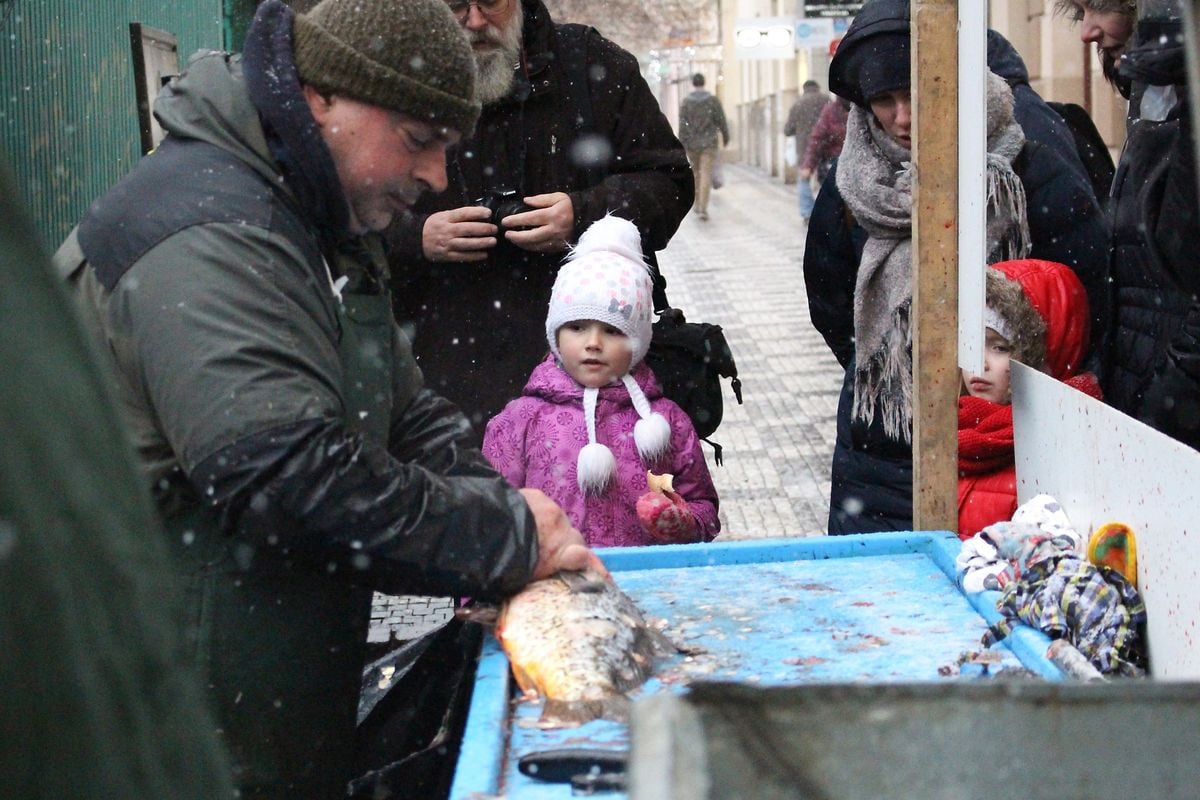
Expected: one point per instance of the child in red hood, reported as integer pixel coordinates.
(1037, 313)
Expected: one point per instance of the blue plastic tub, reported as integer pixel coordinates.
(879, 608)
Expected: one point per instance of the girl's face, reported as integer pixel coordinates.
(893, 110)
(594, 353)
(994, 383)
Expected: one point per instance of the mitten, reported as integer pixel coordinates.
(665, 515)
(1113, 545)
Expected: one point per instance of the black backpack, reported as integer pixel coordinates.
(689, 359)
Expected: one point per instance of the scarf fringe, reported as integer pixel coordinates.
(1007, 209)
(883, 386)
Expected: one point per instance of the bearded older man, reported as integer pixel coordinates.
(571, 129)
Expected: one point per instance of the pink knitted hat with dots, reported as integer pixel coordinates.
(605, 278)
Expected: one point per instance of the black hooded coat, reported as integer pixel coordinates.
(872, 472)
(1151, 358)
(478, 329)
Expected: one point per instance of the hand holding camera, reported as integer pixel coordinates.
(546, 225)
(461, 234)
(540, 224)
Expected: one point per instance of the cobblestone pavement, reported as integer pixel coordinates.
(741, 270)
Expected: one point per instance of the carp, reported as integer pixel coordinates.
(581, 643)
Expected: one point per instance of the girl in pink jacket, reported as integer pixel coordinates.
(592, 420)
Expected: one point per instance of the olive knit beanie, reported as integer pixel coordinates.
(408, 56)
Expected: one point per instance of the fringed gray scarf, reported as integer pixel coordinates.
(874, 177)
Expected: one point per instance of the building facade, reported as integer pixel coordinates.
(757, 93)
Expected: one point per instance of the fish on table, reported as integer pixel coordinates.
(578, 641)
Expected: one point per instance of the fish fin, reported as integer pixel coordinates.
(635, 666)
(661, 644)
(524, 681)
(479, 613)
(573, 713)
(581, 582)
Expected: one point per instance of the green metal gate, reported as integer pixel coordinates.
(68, 107)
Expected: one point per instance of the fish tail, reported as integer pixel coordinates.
(573, 713)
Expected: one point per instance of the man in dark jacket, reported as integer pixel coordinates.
(300, 463)
(570, 127)
(872, 467)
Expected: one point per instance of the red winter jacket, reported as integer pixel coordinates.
(987, 483)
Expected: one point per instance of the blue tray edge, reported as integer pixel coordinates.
(478, 770)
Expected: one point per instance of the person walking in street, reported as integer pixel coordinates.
(825, 141)
(1036, 313)
(701, 120)
(569, 131)
(592, 419)
(1150, 362)
(800, 123)
(235, 279)
(858, 255)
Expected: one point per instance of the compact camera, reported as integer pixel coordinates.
(503, 203)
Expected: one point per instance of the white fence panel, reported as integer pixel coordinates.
(1104, 466)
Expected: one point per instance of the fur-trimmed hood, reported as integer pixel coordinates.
(1010, 314)
(1058, 297)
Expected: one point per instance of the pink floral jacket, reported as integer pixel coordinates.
(535, 441)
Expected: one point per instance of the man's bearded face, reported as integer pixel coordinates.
(497, 50)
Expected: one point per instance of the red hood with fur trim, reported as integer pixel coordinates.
(1060, 299)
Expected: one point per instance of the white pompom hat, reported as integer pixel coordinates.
(605, 278)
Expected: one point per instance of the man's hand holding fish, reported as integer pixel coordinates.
(560, 544)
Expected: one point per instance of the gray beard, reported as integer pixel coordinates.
(497, 72)
(498, 68)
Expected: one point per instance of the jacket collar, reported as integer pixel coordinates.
(551, 382)
(537, 54)
(291, 132)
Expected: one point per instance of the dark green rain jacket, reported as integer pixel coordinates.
(301, 464)
(95, 698)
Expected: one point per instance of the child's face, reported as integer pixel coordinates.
(993, 384)
(594, 353)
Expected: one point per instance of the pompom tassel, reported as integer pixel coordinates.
(652, 434)
(610, 234)
(595, 468)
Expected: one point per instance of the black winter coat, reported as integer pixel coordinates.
(1151, 365)
(872, 474)
(479, 329)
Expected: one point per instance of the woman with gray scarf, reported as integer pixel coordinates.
(858, 258)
